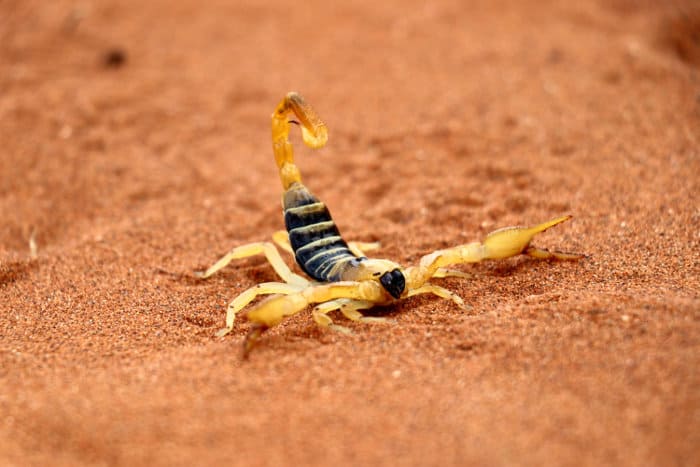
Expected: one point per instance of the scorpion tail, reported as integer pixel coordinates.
(313, 132)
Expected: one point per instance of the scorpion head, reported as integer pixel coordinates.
(394, 282)
(388, 274)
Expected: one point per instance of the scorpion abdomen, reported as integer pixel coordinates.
(318, 247)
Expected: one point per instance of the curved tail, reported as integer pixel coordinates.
(313, 131)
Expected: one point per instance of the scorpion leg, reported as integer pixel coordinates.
(440, 292)
(543, 253)
(320, 315)
(238, 303)
(501, 243)
(350, 309)
(358, 248)
(273, 310)
(445, 272)
(270, 252)
(281, 239)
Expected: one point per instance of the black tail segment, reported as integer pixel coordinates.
(314, 237)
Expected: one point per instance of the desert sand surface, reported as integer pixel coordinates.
(135, 150)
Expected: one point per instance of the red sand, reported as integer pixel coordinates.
(135, 145)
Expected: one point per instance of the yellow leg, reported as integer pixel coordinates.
(270, 252)
(359, 248)
(445, 272)
(320, 315)
(350, 309)
(502, 243)
(440, 292)
(281, 239)
(542, 253)
(238, 303)
(273, 310)
(270, 312)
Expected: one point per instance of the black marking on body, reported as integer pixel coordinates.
(313, 235)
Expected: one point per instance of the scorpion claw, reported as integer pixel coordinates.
(255, 332)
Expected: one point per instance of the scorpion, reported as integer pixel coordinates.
(342, 277)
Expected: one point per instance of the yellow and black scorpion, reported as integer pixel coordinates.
(342, 277)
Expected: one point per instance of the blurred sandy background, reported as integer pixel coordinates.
(134, 150)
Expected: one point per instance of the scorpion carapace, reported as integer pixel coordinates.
(343, 277)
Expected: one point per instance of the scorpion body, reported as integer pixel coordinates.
(344, 278)
(318, 247)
